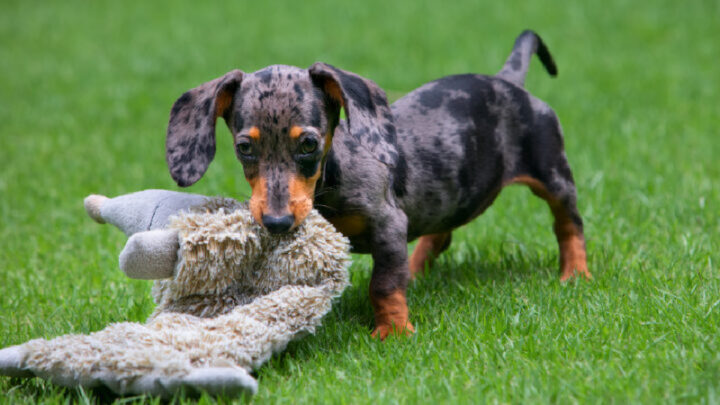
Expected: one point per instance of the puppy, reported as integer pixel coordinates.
(384, 176)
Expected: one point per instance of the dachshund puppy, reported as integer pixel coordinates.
(383, 176)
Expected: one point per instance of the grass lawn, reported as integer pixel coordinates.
(85, 92)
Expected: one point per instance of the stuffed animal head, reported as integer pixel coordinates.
(226, 259)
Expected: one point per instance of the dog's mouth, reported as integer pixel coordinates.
(281, 216)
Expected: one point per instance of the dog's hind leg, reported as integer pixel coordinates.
(568, 227)
(547, 172)
(427, 249)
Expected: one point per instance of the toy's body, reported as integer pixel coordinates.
(236, 295)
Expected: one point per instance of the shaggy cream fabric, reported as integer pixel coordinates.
(238, 295)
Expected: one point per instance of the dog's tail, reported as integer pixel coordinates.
(517, 64)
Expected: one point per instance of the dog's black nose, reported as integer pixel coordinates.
(278, 224)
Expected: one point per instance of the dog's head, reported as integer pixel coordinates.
(282, 119)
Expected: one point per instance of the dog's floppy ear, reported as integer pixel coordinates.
(369, 118)
(190, 142)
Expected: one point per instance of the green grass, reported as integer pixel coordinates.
(86, 88)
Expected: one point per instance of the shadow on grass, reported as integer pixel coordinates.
(471, 266)
(36, 390)
(40, 391)
(351, 318)
(352, 313)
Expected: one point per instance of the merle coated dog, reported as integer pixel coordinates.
(386, 175)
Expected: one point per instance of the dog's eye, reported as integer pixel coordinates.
(308, 146)
(244, 148)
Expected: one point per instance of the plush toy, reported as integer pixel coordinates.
(228, 295)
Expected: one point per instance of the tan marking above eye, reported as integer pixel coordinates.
(296, 131)
(254, 133)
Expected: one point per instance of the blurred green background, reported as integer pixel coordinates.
(85, 92)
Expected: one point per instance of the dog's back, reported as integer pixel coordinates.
(462, 138)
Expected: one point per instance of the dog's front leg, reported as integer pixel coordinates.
(390, 275)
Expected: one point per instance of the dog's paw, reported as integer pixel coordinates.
(383, 331)
(575, 273)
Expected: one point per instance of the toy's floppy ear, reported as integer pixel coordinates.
(190, 142)
(369, 117)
